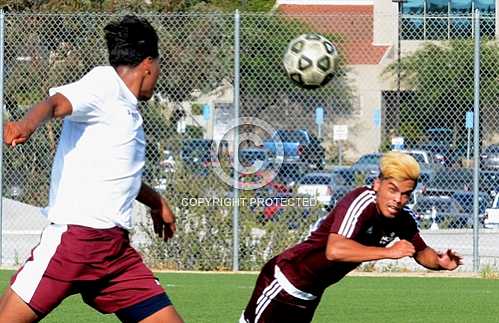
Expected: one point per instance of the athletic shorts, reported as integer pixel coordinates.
(99, 264)
(275, 300)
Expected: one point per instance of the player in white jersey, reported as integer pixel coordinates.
(96, 176)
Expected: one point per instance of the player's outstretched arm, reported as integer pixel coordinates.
(163, 219)
(431, 259)
(17, 132)
(343, 249)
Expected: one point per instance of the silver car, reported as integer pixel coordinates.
(489, 159)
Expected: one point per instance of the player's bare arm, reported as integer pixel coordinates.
(343, 249)
(431, 259)
(17, 132)
(162, 216)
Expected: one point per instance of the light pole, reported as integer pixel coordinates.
(399, 24)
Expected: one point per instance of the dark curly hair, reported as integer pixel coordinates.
(130, 41)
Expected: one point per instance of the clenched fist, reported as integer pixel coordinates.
(401, 249)
(15, 132)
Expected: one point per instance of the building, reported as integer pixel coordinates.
(373, 27)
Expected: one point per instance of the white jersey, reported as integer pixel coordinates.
(98, 165)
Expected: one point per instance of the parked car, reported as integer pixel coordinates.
(442, 154)
(318, 185)
(465, 199)
(448, 212)
(297, 146)
(449, 179)
(489, 158)
(462, 179)
(489, 182)
(344, 182)
(344, 177)
(289, 173)
(254, 156)
(491, 220)
(366, 165)
(423, 157)
(278, 207)
(272, 207)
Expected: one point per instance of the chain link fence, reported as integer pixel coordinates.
(299, 150)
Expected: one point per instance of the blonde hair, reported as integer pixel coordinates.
(399, 166)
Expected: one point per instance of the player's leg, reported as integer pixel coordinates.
(284, 308)
(14, 310)
(4, 296)
(133, 293)
(270, 303)
(157, 309)
(32, 294)
(167, 314)
(265, 289)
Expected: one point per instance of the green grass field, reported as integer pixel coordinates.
(219, 298)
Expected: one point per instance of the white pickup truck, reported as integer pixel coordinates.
(492, 214)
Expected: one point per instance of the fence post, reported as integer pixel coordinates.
(235, 215)
(476, 143)
(2, 43)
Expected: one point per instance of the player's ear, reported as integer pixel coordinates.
(376, 184)
(146, 64)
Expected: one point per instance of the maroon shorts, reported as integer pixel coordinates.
(99, 264)
(270, 303)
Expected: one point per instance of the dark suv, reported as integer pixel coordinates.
(297, 145)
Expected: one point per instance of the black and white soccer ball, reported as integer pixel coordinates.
(311, 60)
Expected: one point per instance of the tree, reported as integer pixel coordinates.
(136, 6)
(441, 77)
(264, 84)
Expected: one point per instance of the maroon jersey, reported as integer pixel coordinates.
(356, 217)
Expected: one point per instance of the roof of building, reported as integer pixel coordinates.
(354, 24)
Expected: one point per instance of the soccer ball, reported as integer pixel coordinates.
(310, 60)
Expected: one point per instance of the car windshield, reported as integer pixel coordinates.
(345, 178)
(435, 148)
(449, 179)
(465, 200)
(441, 205)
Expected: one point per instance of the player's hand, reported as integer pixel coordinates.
(163, 221)
(401, 249)
(449, 260)
(15, 133)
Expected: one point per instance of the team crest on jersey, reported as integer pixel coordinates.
(386, 239)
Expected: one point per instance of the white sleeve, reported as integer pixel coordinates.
(87, 96)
